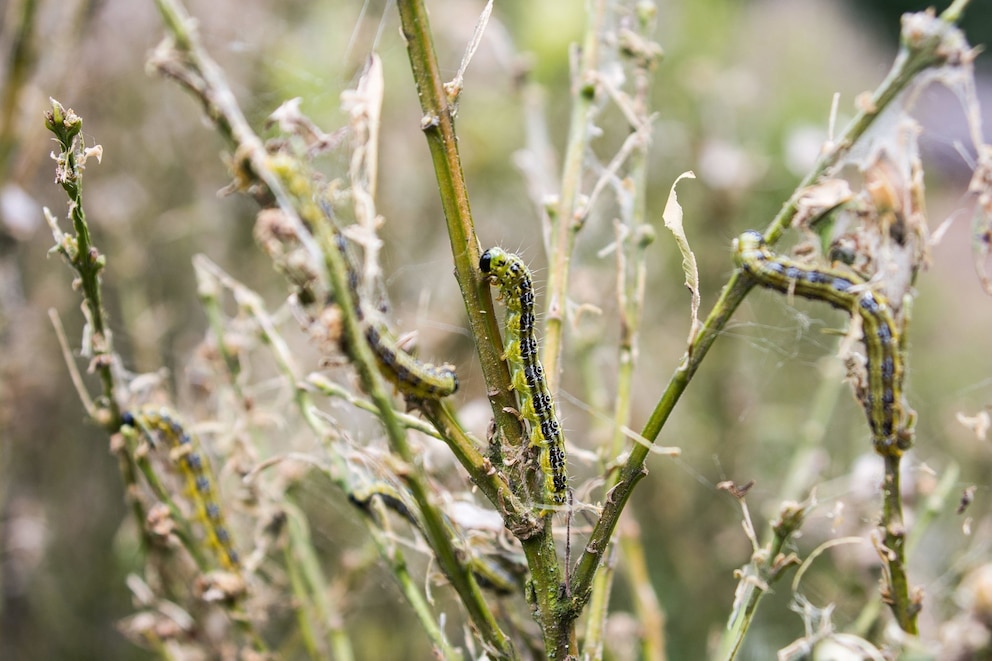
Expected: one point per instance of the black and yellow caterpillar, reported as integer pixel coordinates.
(527, 374)
(882, 398)
(161, 422)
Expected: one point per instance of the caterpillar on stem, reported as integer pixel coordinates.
(412, 377)
(882, 399)
(195, 467)
(527, 374)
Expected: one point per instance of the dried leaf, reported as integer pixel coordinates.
(673, 221)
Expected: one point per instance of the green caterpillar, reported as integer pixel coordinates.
(195, 467)
(537, 405)
(883, 398)
(413, 378)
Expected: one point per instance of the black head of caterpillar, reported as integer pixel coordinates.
(882, 397)
(526, 372)
(512, 275)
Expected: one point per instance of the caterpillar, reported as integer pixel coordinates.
(195, 467)
(527, 374)
(413, 378)
(882, 399)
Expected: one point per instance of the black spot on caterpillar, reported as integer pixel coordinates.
(527, 374)
(883, 397)
(196, 470)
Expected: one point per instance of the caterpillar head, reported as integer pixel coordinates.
(506, 268)
(747, 245)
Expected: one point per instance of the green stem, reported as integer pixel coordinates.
(650, 615)
(21, 58)
(797, 481)
(411, 590)
(599, 607)
(298, 587)
(207, 289)
(547, 589)
(767, 565)
(82, 255)
(904, 607)
(633, 469)
(328, 388)
(372, 382)
(310, 587)
(306, 576)
(438, 126)
(930, 46)
(632, 240)
(568, 218)
(518, 517)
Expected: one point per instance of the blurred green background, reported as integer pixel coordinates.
(744, 90)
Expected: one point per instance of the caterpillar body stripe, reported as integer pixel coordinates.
(883, 397)
(527, 374)
(195, 467)
(412, 377)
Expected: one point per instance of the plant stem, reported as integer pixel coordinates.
(83, 256)
(938, 42)
(599, 607)
(438, 126)
(518, 518)
(896, 590)
(310, 587)
(568, 218)
(649, 612)
(389, 550)
(304, 607)
(632, 470)
(767, 565)
(22, 57)
(307, 580)
(633, 236)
